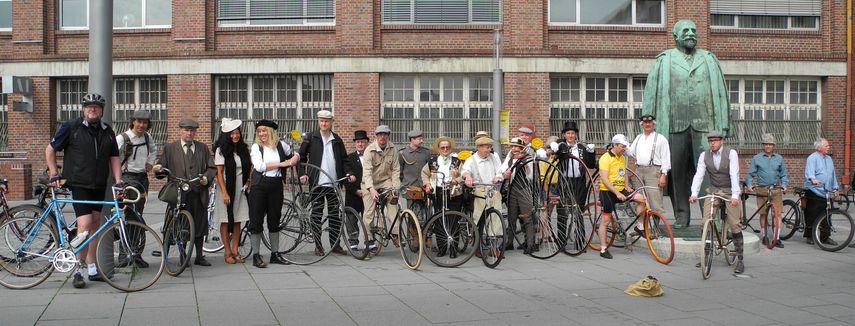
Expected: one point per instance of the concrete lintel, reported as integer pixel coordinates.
(622, 66)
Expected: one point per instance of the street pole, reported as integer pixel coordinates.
(101, 82)
(497, 90)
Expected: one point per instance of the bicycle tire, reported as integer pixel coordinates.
(445, 234)
(310, 233)
(354, 229)
(546, 242)
(212, 242)
(244, 246)
(842, 202)
(493, 239)
(178, 243)
(660, 238)
(791, 219)
(32, 212)
(30, 269)
(709, 248)
(771, 230)
(840, 227)
(577, 239)
(594, 243)
(126, 274)
(411, 243)
(728, 247)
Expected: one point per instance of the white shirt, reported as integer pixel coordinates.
(140, 155)
(643, 147)
(443, 166)
(482, 170)
(735, 191)
(271, 155)
(184, 147)
(327, 162)
(572, 169)
(508, 164)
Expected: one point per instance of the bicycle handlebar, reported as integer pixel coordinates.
(715, 197)
(124, 198)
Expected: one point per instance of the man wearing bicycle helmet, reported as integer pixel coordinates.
(613, 187)
(90, 152)
(721, 164)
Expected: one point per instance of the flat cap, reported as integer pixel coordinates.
(526, 130)
(768, 139)
(484, 141)
(266, 123)
(141, 115)
(188, 123)
(415, 133)
(325, 114)
(715, 134)
(382, 129)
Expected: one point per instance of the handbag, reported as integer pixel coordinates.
(254, 178)
(169, 193)
(646, 287)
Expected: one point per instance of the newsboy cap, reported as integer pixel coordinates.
(188, 123)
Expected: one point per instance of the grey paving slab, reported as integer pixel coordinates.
(834, 311)
(496, 301)
(316, 315)
(182, 315)
(144, 299)
(80, 322)
(444, 308)
(599, 316)
(352, 304)
(772, 311)
(26, 315)
(346, 291)
(534, 318)
(64, 307)
(389, 317)
(246, 307)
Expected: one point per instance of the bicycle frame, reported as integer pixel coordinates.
(719, 232)
(746, 222)
(627, 206)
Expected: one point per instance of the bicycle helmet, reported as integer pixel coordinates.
(93, 98)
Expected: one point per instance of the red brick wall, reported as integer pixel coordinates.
(527, 96)
(188, 26)
(27, 28)
(20, 179)
(31, 132)
(528, 18)
(355, 30)
(357, 104)
(190, 96)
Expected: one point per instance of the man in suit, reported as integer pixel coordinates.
(188, 158)
(325, 149)
(574, 174)
(353, 193)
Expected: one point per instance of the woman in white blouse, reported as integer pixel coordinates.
(231, 156)
(270, 158)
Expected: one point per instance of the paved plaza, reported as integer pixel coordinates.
(797, 285)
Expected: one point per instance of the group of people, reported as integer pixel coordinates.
(251, 189)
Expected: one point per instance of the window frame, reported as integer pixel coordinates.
(412, 20)
(578, 18)
(248, 22)
(86, 27)
(11, 16)
(789, 27)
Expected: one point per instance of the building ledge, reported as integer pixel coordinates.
(440, 27)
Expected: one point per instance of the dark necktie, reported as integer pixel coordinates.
(188, 159)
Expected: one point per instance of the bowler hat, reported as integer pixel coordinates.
(570, 125)
(360, 134)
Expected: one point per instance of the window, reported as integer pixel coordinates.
(446, 105)
(788, 109)
(766, 14)
(5, 15)
(129, 94)
(607, 12)
(602, 105)
(275, 12)
(442, 11)
(292, 101)
(74, 14)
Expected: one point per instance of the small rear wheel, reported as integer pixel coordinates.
(659, 237)
(178, 242)
(410, 239)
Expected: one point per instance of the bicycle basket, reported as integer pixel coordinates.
(169, 193)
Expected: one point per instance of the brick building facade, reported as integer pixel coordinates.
(370, 63)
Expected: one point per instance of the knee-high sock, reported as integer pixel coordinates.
(255, 242)
(274, 241)
(738, 243)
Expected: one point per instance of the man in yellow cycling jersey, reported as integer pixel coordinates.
(613, 187)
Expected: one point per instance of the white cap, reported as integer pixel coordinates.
(620, 139)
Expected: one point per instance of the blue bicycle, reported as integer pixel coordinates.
(33, 247)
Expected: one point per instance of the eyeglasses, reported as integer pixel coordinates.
(444, 147)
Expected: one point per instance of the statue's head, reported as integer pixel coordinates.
(685, 34)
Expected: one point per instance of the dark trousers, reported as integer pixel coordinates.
(192, 201)
(814, 209)
(686, 147)
(450, 223)
(265, 199)
(520, 207)
(139, 181)
(319, 195)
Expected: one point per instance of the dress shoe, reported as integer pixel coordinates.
(141, 263)
(78, 282)
(606, 254)
(509, 246)
(372, 248)
(276, 258)
(521, 246)
(452, 254)
(478, 252)
(739, 268)
(809, 241)
(97, 278)
(319, 251)
(156, 253)
(258, 262)
(339, 250)
(779, 244)
(201, 261)
(829, 241)
(677, 226)
(852, 245)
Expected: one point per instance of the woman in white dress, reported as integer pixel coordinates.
(231, 156)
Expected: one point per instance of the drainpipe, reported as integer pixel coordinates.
(847, 148)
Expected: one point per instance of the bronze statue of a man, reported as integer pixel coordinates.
(687, 86)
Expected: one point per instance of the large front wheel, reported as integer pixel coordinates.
(178, 242)
(453, 238)
(354, 234)
(131, 266)
(833, 230)
(410, 239)
(659, 237)
(708, 249)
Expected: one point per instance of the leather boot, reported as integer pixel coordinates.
(257, 261)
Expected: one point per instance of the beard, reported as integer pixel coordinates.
(689, 43)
